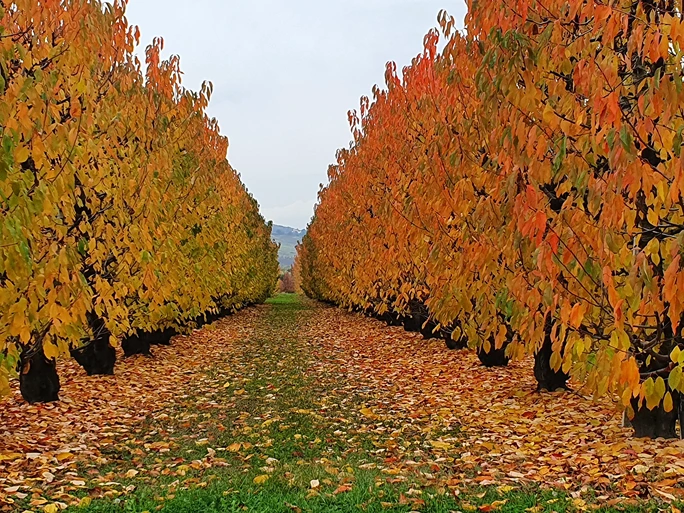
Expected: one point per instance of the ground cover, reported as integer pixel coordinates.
(295, 406)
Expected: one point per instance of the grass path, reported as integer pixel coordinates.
(293, 406)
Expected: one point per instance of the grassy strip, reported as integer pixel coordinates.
(253, 439)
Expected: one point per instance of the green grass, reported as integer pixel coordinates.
(292, 427)
(277, 498)
(285, 299)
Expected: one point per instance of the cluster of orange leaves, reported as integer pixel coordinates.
(530, 170)
(116, 197)
(488, 428)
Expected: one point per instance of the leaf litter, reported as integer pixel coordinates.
(414, 412)
(476, 426)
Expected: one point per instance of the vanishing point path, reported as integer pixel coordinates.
(297, 406)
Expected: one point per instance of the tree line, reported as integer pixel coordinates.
(518, 189)
(120, 217)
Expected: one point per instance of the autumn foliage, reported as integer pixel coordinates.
(525, 184)
(119, 212)
(286, 283)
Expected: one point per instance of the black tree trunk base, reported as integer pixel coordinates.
(389, 318)
(656, 423)
(461, 343)
(38, 379)
(428, 330)
(495, 357)
(162, 337)
(136, 344)
(97, 357)
(415, 318)
(548, 378)
(411, 323)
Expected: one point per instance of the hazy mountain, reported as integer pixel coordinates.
(288, 239)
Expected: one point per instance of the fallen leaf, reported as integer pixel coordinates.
(261, 479)
(440, 445)
(342, 489)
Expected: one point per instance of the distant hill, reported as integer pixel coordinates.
(288, 239)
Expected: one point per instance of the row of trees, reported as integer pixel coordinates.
(521, 191)
(120, 216)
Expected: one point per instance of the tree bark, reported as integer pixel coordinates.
(548, 378)
(38, 379)
(656, 423)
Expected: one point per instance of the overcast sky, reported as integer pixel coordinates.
(285, 73)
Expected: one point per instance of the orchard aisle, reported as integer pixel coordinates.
(296, 406)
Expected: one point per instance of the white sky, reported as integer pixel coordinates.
(285, 73)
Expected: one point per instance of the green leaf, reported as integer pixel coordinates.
(626, 138)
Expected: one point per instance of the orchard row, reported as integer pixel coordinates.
(120, 217)
(519, 188)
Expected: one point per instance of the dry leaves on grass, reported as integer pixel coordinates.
(484, 426)
(434, 417)
(44, 447)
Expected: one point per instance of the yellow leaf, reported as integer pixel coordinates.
(548, 114)
(440, 445)
(4, 384)
(51, 508)
(50, 350)
(234, 447)
(261, 479)
(660, 388)
(652, 247)
(367, 412)
(652, 217)
(640, 469)
(21, 154)
(667, 402)
(675, 378)
(11, 456)
(64, 456)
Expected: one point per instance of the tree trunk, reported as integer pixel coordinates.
(447, 334)
(548, 378)
(460, 343)
(495, 357)
(162, 337)
(136, 344)
(414, 320)
(428, 330)
(390, 318)
(656, 423)
(411, 323)
(97, 357)
(38, 379)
